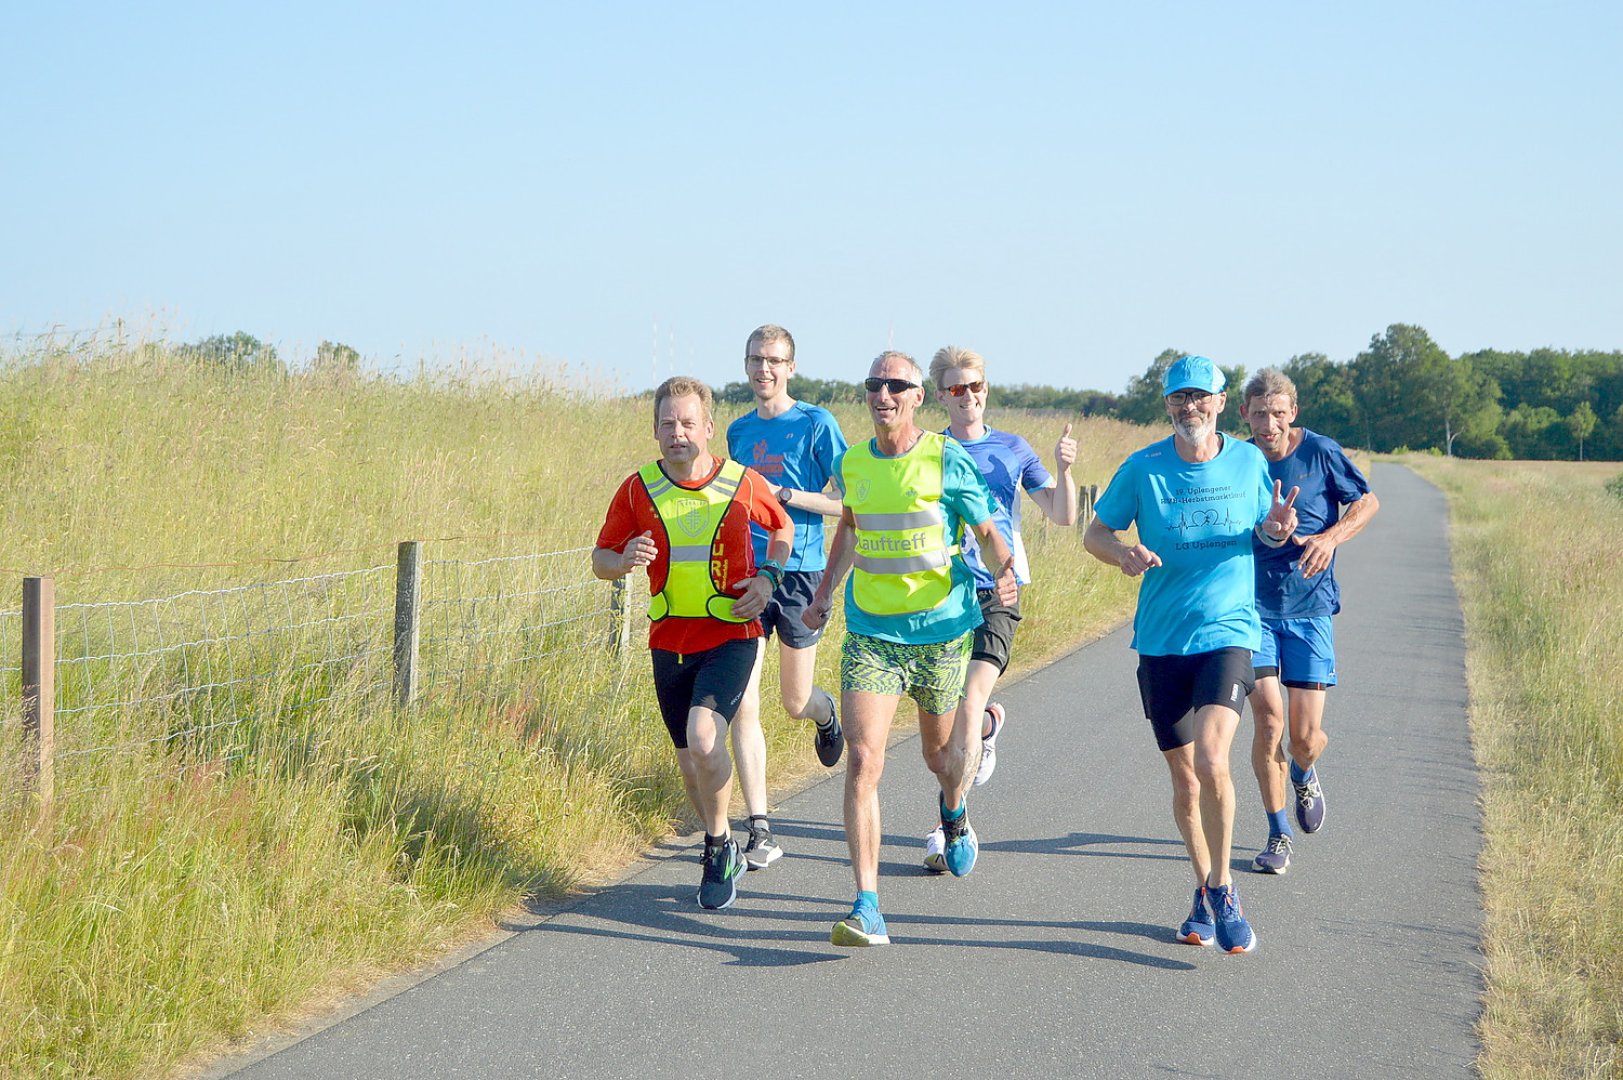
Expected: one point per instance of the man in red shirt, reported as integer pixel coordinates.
(686, 518)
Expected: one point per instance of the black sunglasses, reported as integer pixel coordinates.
(873, 382)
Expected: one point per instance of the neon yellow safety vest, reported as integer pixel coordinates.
(903, 561)
(692, 519)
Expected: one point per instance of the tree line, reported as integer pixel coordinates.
(1402, 392)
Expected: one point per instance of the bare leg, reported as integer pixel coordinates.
(749, 743)
(1268, 731)
(978, 686)
(1308, 739)
(802, 699)
(868, 717)
(1214, 736)
(952, 750)
(707, 772)
(1186, 809)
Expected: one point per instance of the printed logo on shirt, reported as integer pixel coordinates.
(691, 521)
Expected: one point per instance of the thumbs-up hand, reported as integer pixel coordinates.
(1065, 450)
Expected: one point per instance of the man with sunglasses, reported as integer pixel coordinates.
(686, 519)
(910, 616)
(793, 445)
(1009, 465)
(1197, 499)
(1298, 646)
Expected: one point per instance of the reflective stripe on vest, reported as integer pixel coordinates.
(903, 560)
(692, 518)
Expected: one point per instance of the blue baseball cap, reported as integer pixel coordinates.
(1193, 373)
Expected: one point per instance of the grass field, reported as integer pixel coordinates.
(1540, 569)
(168, 909)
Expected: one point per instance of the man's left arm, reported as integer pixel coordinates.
(765, 511)
(991, 541)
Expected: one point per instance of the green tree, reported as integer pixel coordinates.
(1411, 393)
(240, 352)
(1324, 394)
(336, 358)
(1582, 424)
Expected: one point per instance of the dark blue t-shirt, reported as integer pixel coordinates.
(1328, 480)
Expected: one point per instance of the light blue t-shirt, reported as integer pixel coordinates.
(964, 498)
(1198, 517)
(796, 450)
(1008, 463)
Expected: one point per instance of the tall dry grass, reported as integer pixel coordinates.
(187, 893)
(1537, 557)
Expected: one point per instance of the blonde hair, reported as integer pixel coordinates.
(951, 356)
(683, 386)
(766, 335)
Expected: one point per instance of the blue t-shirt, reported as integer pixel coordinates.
(1328, 480)
(1198, 517)
(964, 498)
(795, 450)
(1008, 463)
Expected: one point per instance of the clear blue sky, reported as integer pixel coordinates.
(1068, 188)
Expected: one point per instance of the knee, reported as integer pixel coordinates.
(937, 759)
(1211, 770)
(1308, 744)
(864, 764)
(797, 706)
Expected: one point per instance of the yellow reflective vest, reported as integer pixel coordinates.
(903, 559)
(692, 519)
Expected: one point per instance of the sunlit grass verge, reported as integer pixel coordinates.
(1541, 577)
(223, 857)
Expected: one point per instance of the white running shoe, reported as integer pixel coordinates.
(989, 745)
(935, 851)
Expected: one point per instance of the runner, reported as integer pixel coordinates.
(1298, 646)
(1194, 498)
(793, 445)
(686, 519)
(910, 613)
(1008, 464)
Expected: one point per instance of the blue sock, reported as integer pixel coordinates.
(865, 899)
(1279, 823)
(1300, 775)
(952, 815)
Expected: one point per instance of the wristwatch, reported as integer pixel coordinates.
(783, 495)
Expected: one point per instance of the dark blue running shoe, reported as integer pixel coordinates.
(1198, 928)
(1234, 933)
(1309, 803)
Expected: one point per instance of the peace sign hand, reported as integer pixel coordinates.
(1281, 519)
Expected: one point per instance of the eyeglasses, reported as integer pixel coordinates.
(757, 360)
(873, 384)
(960, 389)
(1179, 398)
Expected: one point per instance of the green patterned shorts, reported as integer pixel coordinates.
(932, 675)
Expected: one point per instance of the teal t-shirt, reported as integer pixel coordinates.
(1198, 517)
(964, 498)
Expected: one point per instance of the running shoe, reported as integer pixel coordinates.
(989, 745)
(1198, 928)
(1309, 803)
(762, 848)
(864, 926)
(961, 843)
(1234, 933)
(830, 736)
(722, 866)
(935, 851)
(1276, 857)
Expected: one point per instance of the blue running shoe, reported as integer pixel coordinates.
(962, 844)
(864, 926)
(723, 865)
(1309, 803)
(1234, 933)
(1276, 857)
(1198, 928)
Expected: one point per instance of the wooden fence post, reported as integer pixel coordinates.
(1087, 495)
(39, 686)
(408, 584)
(620, 612)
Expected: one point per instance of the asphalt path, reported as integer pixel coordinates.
(1055, 957)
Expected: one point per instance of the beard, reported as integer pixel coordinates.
(1196, 431)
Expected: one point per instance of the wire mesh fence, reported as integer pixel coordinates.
(212, 678)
